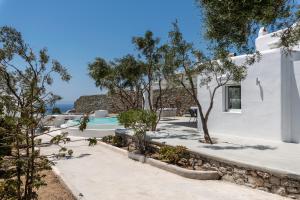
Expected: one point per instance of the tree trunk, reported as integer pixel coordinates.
(154, 126)
(205, 131)
(193, 94)
(204, 122)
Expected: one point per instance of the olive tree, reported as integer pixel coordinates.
(156, 71)
(233, 25)
(25, 77)
(130, 78)
(121, 77)
(188, 63)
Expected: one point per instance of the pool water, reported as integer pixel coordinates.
(98, 121)
(106, 120)
(96, 127)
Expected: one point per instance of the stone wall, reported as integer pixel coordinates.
(242, 174)
(262, 179)
(91, 103)
(175, 98)
(273, 181)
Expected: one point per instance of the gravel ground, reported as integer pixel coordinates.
(54, 190)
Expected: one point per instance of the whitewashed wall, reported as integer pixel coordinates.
(270, 100)
(270, 97)
(293, 99)
(260, 116)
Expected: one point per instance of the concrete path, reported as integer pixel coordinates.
(99, 173)
(262, 153)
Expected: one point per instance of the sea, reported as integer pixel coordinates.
(64, 107)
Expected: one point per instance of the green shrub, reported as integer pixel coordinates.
(107, 139)
(172, 154)
(92, 141)
(117, 141)
(114, 140)
(139, 121)
(56, 110)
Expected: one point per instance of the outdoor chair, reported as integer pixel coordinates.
(193, 114)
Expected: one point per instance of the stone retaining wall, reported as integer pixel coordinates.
(177, 98)
(272, 181)
(267, 181)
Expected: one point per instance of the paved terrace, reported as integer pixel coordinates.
(260, 153)
(100, 173)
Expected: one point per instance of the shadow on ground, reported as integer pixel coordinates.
(192, 136)
(256, 147)
(191, 124)
(83, 155)
(54, 158)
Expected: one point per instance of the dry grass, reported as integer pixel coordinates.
(54, 190)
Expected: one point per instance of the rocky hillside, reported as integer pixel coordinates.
(177, 98)
(95, 102)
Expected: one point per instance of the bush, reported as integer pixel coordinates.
(139, 121)
(92, 141)
(118, 141)
(114, 140)
(173, 154)
(56, 110)
(107, 139)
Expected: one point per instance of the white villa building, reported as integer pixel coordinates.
(266, 105)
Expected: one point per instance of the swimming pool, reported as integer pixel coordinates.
(97, 121)
(96, 127)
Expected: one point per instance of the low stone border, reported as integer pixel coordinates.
(192, 174)
(137, 157)
(113, 148)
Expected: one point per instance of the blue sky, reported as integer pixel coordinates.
(76, 31)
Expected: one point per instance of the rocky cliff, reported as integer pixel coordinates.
(176, 98)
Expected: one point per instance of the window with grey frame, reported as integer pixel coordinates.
(233, 97)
